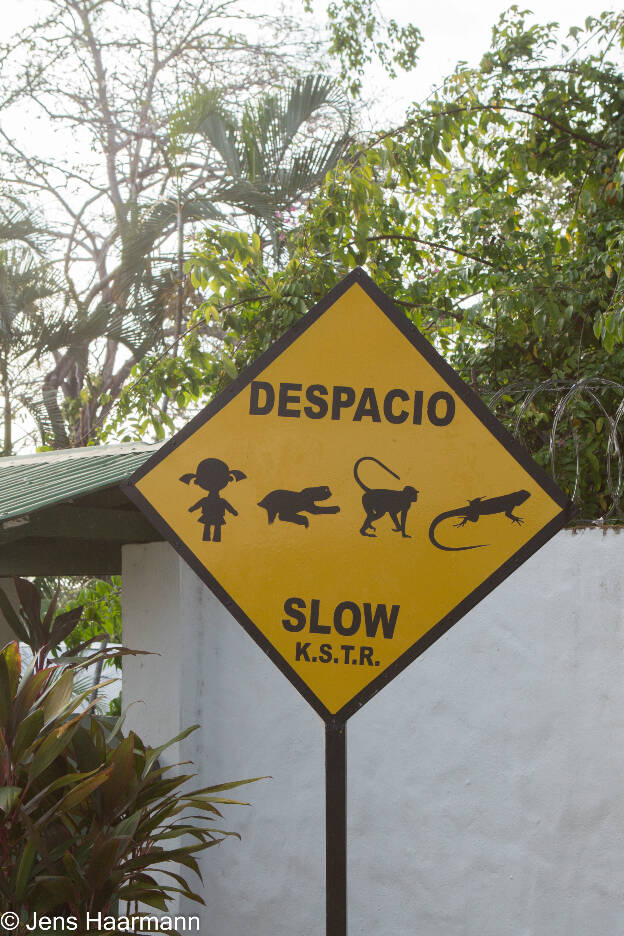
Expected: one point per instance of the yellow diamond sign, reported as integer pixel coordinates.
(349, 498)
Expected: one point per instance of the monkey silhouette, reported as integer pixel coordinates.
(289, 505)
(213, 475)
(379, 501)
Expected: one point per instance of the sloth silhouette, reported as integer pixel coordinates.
(289, 506)
(212, 475)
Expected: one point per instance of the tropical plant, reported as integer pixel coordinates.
(86, 813)
(100, 600)
(27, 329)
(273, 155)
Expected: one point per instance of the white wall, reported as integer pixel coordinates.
(486, 782)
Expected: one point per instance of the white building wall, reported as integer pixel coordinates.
(485, 783)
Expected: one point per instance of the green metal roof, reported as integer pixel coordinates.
(29, 483)
(64, 513)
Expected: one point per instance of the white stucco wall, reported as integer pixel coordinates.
(485, 783)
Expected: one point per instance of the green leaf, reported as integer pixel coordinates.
(153, 754)
(24, 868)
(58, 697)
(144, 895)
(74, 869)
(5, 692)
(121, 764)
(9, 795)
(229, 366)
(60, 889)
(128, 826)
(220, 787)
(12, 619)
(26, 734)
(82, 790)
(54, 744)
(13, 661)
(65, 780)
(30, 688)
(32, 682)
(30, 601)
(115, 730)
(103, 859)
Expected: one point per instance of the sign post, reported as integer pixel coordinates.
(348, 498)
(336, 828)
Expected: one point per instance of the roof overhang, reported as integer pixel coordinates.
(63, 512)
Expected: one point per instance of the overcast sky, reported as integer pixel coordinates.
(452, 30)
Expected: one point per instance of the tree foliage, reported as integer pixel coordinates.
(118, 78)
(493, 217)
(28, 328)
(274, 154)
(109, 76)
(359, 35)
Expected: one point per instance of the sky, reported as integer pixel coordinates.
(452, 30)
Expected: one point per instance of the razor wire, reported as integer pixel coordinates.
(561, 401)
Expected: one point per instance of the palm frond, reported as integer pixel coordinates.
(272, 153)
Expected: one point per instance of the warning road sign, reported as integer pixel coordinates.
(349, 498)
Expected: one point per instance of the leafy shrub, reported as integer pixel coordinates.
(86, 813)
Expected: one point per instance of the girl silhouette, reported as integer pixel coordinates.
(213, 475)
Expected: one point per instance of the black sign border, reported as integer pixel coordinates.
(463, 391)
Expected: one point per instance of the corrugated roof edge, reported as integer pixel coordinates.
(123, 448)
(29, 483)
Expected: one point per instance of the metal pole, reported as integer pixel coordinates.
(336, 828)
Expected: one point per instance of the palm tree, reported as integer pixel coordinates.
(26, 281)
(275, 152)
(267, 158)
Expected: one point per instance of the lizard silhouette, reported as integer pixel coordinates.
(479, 508)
